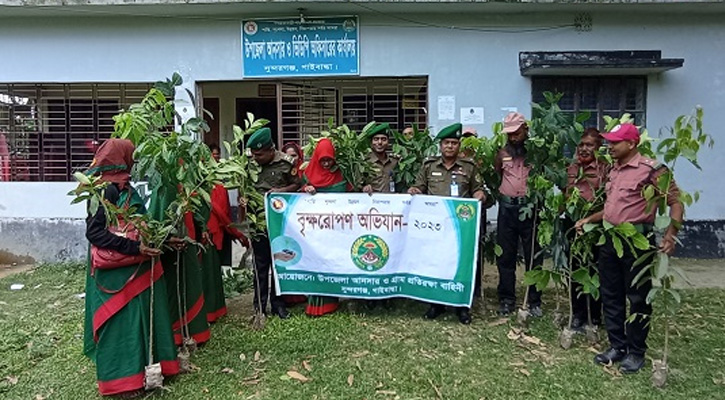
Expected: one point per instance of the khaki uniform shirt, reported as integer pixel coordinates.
(625, 202)
(381, 183)
(279, 172)
(588, 178)
(435, 179)
(514, 173)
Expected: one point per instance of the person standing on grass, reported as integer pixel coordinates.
(321, 175)
(510, 163)
(625, 203)
(587, 174)
(449, 175)
(384, 182)
(120, 302)
(278, 174)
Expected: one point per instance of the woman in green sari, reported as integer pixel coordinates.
(184, 275)
(321, 176)
(123, 304)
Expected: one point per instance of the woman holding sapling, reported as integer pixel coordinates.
(126, 305)
(322, 175)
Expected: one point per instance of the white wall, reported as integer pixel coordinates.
(480, 69)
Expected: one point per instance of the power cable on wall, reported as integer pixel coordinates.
(415, 23)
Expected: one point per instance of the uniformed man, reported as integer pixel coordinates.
(510, 164)
(384, 182)
(277, 175)
(587, 174)
(449, 175)
(625, 203)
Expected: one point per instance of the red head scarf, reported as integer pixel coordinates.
(315, 174)
(300, 155)
(113, 161)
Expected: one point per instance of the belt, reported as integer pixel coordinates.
(514, 201)
(644, 228)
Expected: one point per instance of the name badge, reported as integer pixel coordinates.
(436, 173)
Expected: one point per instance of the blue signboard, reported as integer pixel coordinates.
(290, 47)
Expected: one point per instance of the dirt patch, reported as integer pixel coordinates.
(7, 270)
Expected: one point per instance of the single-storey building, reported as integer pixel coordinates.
(69, 66)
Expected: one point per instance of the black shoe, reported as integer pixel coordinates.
(505, 309)
(610, 356)
(577, 325)
(464, 316)
(281, 312)
(631, 364)
(434, 311)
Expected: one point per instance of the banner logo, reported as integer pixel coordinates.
(370, 253)
(465, 212)
(279, 204)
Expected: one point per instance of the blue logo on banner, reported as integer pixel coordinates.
(288, 47)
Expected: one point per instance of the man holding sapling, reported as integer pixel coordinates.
(587, 175)
(278, 174)
(510, 164)
(449, 175)
(625, 202)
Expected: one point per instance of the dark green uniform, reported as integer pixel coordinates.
(435, 179)
(382, 182)
(278, 173)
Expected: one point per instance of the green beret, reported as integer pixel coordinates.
(261, 139)
(450, 132)
(379, 129)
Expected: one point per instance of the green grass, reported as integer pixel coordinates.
(389, 353)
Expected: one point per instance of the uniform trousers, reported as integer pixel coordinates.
(263, 289)
(510, 231)
(616, 275)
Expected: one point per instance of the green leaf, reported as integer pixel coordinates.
(651, 295)
(662, 222)
(618, 246)
(626, 229)
(93, 206)
(640, 241)
(662, 267)
(82, 178)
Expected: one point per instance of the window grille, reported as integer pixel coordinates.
(53, 130)
(611, 96)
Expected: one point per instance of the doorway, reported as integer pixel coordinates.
(261, 108)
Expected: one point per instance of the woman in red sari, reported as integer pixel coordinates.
(322, 176)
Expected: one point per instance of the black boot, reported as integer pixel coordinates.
(281, 312)
(610, 356)
(434, 311)
(631, 364)
(464, 315)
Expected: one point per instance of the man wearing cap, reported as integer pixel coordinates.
(277, 175)
(510, 163)
(449, 175)
(625, 203)
(379, 140)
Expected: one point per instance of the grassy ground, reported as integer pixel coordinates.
(354, 354)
